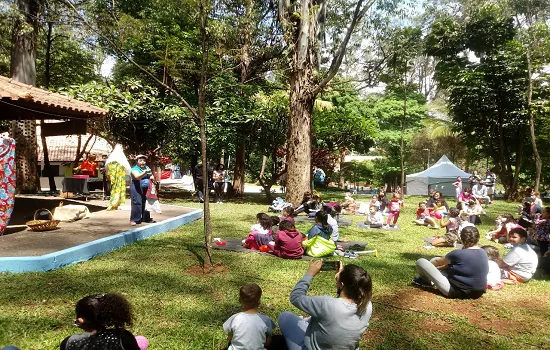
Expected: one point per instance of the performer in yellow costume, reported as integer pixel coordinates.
(117, 168)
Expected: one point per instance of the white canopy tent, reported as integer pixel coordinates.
(439, 176)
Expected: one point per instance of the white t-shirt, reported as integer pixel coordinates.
(493, 277)
(334, 224)
(248, 330)
(479, 191)
(522, 260)
(258, 228)
(217, 174)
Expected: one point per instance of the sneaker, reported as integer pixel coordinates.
(422, 282)
(428, 246)
(489, 236)
(351, 255)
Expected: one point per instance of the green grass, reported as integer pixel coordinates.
(179, 310)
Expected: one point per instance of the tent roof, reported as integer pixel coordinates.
(22, 101)
(442, 168)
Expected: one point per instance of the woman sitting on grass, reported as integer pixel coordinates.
(335, 323)
(461, 274)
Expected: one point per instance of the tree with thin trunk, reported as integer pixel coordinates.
(198, 115)
(303, 29)
(531, 16)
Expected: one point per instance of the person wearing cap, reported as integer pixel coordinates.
(88, 166)
(141, 174)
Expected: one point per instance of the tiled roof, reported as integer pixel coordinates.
(63, 148)
(43, 103)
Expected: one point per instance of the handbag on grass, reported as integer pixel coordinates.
(318, 247)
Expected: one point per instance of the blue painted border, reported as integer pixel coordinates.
(83, 252)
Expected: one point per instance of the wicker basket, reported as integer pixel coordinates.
(43, 225)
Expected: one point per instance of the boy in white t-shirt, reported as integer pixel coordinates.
(521, 262)
(249, 330)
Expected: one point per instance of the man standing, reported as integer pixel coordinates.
(490, 181)
(198, 181)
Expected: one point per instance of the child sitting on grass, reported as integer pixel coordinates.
(541, 233)
(321, 228)
(288, 243)
(493, 277)
(374, 218)
(103, 318)
(521, 262)
(249, 329)
(349, 206)
(260, 232)
(452, 235)
(504, 223)
(288, 214)
(374, 202)
(421, 214)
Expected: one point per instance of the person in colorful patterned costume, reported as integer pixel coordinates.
(7, 181)
(117, 168)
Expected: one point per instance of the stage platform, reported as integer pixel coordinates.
(22, 250)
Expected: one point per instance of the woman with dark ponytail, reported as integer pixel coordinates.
(335, 323)
(321, 227)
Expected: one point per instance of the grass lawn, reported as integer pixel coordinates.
(178, 307)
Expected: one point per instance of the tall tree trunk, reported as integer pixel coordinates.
(402, 148)
(238, 181)
(342, 180)
(538, 161)
(23, 69)
(302, 23)
(47, 79)
(239, 171)
(299, 136)
(202, 126)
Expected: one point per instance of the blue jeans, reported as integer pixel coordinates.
(293, 329)
(138, 213)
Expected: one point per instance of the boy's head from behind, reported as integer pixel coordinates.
(492, 252)
(249, 296)
(286, 225)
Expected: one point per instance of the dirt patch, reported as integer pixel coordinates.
(197, 270)
(480, 313)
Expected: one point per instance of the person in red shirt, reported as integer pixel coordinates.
(88, 166)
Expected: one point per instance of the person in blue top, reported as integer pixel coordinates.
(321, 228)
(141, 174)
